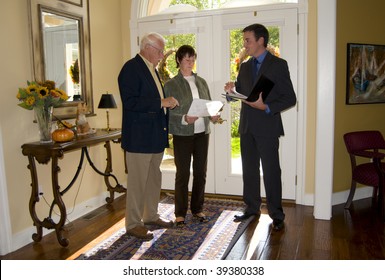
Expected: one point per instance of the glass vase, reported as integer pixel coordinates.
(43, 117)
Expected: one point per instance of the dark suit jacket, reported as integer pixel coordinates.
(281, 97)
(145, 125)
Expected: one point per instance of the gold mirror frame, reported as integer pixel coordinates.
(77, 10)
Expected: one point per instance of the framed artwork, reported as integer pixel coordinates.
(365, 79)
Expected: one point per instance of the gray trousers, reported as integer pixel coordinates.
(144, 180)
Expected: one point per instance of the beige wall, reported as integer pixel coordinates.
(125, 13)
(16, 123)
(357, 22)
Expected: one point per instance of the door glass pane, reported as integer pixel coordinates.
(237, 56)
(185, 6)
(167, 69)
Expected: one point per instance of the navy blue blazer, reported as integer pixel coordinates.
(281, 97)
(144, 122)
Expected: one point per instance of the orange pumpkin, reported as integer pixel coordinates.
(63, 135)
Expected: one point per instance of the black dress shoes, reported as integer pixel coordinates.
(278, 225)
(245, 216)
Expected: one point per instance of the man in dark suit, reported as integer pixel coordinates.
(261, 125)
(144, 135)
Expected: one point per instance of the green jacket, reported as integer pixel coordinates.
(179, 88)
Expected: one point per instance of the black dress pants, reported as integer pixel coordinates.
(265, 150)
(193, 147)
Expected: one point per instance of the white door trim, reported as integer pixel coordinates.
(301, 197)
(326, 69)
(5, 220)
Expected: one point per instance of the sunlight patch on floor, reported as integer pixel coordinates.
(259, 236)
(99, 239)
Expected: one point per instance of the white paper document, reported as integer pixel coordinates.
(204, 108)
(234, 94)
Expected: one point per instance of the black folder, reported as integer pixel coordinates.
(263, 85)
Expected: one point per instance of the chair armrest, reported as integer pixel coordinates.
(369, 154)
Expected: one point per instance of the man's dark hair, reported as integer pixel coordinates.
(259, 31)
(182, 52)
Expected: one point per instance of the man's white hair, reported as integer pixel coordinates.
(151, 38)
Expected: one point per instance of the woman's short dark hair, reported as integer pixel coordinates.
(259, 31)
(182, 52)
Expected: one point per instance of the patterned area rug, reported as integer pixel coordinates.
(194, 241)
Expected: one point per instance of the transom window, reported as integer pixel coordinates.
(153, 7)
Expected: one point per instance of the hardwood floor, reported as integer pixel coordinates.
(358, 234)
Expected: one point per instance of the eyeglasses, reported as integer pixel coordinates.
(161, 52)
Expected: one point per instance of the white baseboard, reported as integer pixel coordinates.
(361, 193)
(24, 237)
(308, 200)
(341, 197)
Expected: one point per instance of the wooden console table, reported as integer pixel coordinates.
(43, 153)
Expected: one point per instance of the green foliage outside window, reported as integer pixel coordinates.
(201, 4)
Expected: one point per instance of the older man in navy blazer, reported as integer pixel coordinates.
(144, 135)
(261, 124)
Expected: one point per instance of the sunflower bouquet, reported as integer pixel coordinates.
(40, 95)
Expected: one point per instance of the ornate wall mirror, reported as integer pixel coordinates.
(61, 50)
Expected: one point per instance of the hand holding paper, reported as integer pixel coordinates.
(234, 94)
(204, 108)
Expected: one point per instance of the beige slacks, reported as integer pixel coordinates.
(144, 180)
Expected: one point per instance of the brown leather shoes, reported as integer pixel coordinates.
(141, 233)
(161, 223)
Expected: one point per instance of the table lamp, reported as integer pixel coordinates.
(107, 101)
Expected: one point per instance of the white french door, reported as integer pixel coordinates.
(201, 27)
(227, 172)
(212, 33)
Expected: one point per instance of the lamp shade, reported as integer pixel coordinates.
(107, 101)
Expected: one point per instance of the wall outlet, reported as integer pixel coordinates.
(40, 190)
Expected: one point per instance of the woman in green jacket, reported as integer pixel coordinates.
(190, 135)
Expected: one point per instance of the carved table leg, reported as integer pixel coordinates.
(47, 222)
(34, 199)
(59, 202)
(118, 188)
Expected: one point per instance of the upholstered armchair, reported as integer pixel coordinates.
(364, 148)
